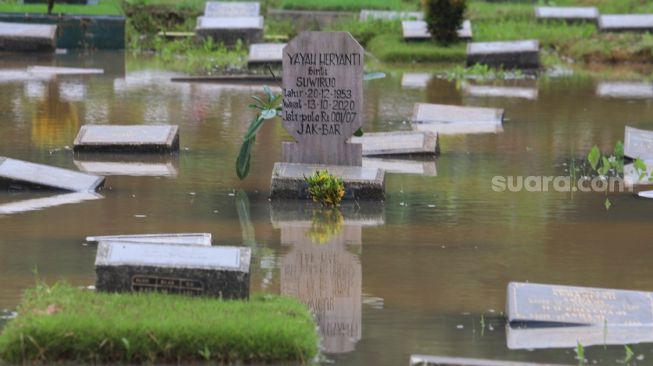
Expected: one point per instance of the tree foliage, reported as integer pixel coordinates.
(444, 18)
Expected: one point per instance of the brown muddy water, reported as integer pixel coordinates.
(424, 272)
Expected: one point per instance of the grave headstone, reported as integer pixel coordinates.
(229, 30)
(417, 30)
(449, 119)
(23, 37)
(415, 80)
(424, 360)
(47, 202)
(265, 53)
(228, 9)
(638, 144)
(500, 91)
(127, 138)
(626, 23)
(366, 15)
(553, 304)
(510, 54)
(568, 14)
(568, 337)
(23, 174)
(52, 70)
(628, 90)
(175, 238)
(181, 269)
(402, 166)
(397, 143)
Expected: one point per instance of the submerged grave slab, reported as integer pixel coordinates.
(624, 89)
(638, 143)
(500, 91)
(23, 37)
(510, 54)
(53, 70)
(47, 202)
(417, 30)
(402, 166)
(530, 303)
(265, 53)
(288, 180)
(397, 143)
(127, 138)
(22, 174)
(570, 14)
(173, 238)
(569, 337)
(229, 30)
(228, 9)
(172, 268)
(449, 119)
(415, 80)
(626, 23)
(425, 360)
(366, 15)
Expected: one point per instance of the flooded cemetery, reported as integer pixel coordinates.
(152, 214)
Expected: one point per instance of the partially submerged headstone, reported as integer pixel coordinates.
(54, 70)
(398, 143)
(22, 174)
(500, 91)
(228, 9)
(366, 15)
(415, 80)
(570, 337)
(417, 30)
(553, 304)
(47, 202)
(509, 54)
(402, 166)
(265, 53)
(23, 37)
(127, 138)
(626, 23)
(174, 238)
(570, 14)
(638, 144)
(449, 119)
(229, 30)
(625, 89)
(172, 268)
(424, 360)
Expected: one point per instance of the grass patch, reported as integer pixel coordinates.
(63, 323)
(104, 7)
(392, 48)
(349, 5)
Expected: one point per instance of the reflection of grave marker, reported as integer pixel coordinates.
(625, 89)
(23, 37)
(18, 173)
(46, 202)
(569, 337)
(424, 360)
(398, 143)
(176, 238)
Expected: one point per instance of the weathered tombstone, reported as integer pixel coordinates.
(173, 268)
(18, 173)
(417, 30)
(398, 143)
(265, 53)
(52, 70)
(228, 9)
(47, 202)
(402, 166)
(424, 360)
(626, 23)
(415, 80)
(500, 91)
(23, 37)
(624, 89)
(510, 54)
(229, 30)
(568, 14)
(569, 337)
(553, 304)
(366, 15)
(176, 238)
(127, 138)
(450, 119)
(638, 144)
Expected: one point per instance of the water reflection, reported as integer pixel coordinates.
(46, 202)
(151, 165)
(54, 120)
(569, 337)
(320, 270)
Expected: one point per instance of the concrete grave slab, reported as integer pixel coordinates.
(570, 14)
(174, 238)
(127, 138)
(415, 80)
(180, 269)
(397, 143)
(360, 183)
(425, 360)
(626, 23)
(500, 91)
(625, 89)
(229, 9)
(265, 53)
(530, 303)
(366, 15)
(510, 54)
(52, 70)
(638, 143)
(24, 37)
(417, 30)
(23, 174)
(402, 166)
(569, 337)
(47, 202)
(229, 30)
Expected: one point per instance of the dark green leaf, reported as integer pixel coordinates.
(594, 156)
(373, 75)
(359, 132)
(254, 106)
(605, 166)
(619, 150)
(254, 127)
(243, 160)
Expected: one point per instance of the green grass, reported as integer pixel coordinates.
(63, 323)
(392, 48)
(104, 7)
(349, 5)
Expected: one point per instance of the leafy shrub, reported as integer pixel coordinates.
(325, 188)
(443, 18)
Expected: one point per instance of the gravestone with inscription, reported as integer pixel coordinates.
(22, 174)
(229, 30)
(638, 144)
(176, 238)
(127, 138)
(173, 268)
(322, 109)
(23, 37)
(553, 304)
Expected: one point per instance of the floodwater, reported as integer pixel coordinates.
(424, 272)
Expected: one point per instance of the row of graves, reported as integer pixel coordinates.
(605, 22)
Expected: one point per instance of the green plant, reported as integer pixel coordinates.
(629, 354)
(325, 188)
(443, 18)
(580, 353)
(325, 224)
